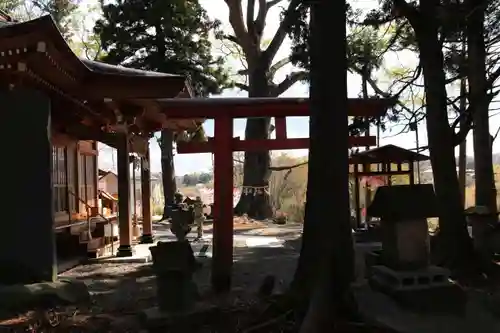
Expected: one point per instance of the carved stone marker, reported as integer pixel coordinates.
(182, 219)
(403, 211)
(174, 265)
(403, 268)
(485, 230)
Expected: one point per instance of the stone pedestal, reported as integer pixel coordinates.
(174, 265)
(27, 247)
(182, 219)
(405, 243)
(402, 268)
(480, 219)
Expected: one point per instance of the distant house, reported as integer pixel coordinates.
(108, 182)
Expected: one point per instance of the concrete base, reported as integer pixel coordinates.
(147, 239)
(425, 290)
(125, 251)
(141, 255)
(121, 260)
(429, 277)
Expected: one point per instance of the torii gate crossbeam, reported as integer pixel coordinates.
(223, 111)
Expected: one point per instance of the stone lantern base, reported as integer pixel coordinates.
(427, 289)
(392, 280)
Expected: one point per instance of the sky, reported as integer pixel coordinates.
(297, 127)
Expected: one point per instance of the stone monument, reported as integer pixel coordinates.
(174, 265)
(485, 231)
(403, 266)
(182, 219)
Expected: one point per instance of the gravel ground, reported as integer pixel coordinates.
(119, 292)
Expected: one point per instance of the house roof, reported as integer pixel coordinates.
(103, 174)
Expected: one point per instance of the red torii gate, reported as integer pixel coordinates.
(223, 111)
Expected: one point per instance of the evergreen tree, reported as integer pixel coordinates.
(170, 36)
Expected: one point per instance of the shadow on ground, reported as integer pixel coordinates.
(120, 292)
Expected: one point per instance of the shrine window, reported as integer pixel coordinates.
(87, 172)
(72, 176)
(59, 179)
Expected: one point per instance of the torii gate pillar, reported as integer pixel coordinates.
(222, 261)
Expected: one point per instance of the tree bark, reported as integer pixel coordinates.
(456, 243)
(167, 170)
(325, 269)
(483, 160)
(462, 150)
(256, 171)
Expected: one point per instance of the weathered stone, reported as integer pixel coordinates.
(174, 265)
(403, 211)
(182, 219)
(480, 217)
(43, 295)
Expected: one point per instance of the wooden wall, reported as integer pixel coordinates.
(75, 178)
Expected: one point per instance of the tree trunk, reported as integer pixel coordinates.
(256, 203)
(167, 170)
(325, 268)
(483, 161)
(462, 152)
(454, 238)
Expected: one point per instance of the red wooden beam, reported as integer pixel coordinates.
(222, 261)
(262, 107)
(264, 145)
(280, 124)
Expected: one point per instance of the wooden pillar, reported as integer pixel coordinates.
(411, 167)
(147, 226)
(356, 195)
(27, 247)
(280, 124)
(222, 261)
(124, 222)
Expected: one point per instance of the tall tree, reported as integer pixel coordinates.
(412, 29)
(170, 36)
(60, 10)
(9, 6)
(248, 35)
(328, 164)
(478, 99)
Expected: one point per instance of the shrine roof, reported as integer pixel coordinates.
(387, 154)
(264, 107)
(35, 54)
(39, 45)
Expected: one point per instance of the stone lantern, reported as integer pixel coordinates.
(484, 229)
(403, 211)
(403, 268)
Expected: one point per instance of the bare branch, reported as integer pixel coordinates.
(289, 81)
(279, 36)
(240, 31)
(289, 167)
(278, 65)
(242, 86)
(280, 168)
(250, 15)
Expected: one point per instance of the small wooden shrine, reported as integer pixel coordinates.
(385, 161)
